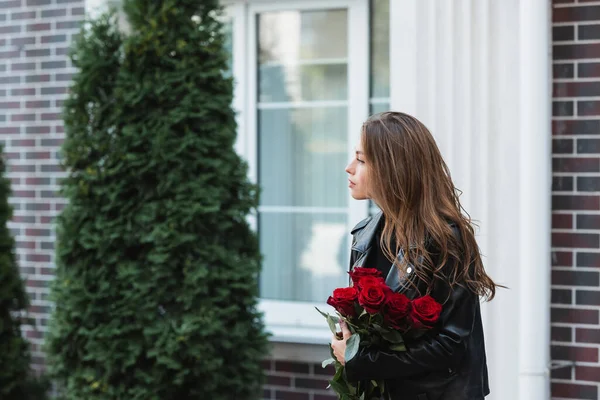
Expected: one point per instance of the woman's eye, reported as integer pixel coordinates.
(360, 161)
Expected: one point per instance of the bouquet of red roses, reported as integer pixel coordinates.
(376, 316)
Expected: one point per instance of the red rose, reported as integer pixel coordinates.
(372, 297)
(425, 312)
(366, 281)
(359, 272)
(343, 300)
(397, 308)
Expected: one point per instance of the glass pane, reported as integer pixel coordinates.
(380, 48)
(302, 154)
(305, 255)
(283, 83)
(379, 107)
(289, 36)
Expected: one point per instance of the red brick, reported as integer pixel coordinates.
(38, 27)
(11, 155)
(285, 395)
(561, 334)
(35, 335)
(576, 89)
(576, 14)
(26, 245)
(562, 221)
(561, 296)
(576, 278)
(575, 202)
(24, 193)
(562, 146)
(324, 397)
(9, 105)
(574, 316)
(37, 104)
(38, 257)
(575, 127)
(588, 221)
(581, 240)
(288, 366)
(22, 117)
(37, 155)
(563, 372)
(311, 383)
(576, 164)
(588, 297)
(563, 70)
(588, 108)
(573, 353)
(37, 181)
(574, 391)
(587, 335)
(588, 70)
(50, 116)
(563, 33)
(22, 168)
(23, 142)
(32, 283)
(562, 184)
(329, 370)
(24, 219)
(588, 259)
(591, 374)
(576, 51)
(273, 380)
(37, 232)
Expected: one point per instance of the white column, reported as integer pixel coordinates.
(403, 56)
(477, 72)
(535, 190)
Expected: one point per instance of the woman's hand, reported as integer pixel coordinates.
(339, 345)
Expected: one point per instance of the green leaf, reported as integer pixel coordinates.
(339, 387)
(393, 336)
(398, 347)
(331, 321)
(322, 313)
(327, 362)
(352, 346)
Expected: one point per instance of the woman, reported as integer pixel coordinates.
(423, 244)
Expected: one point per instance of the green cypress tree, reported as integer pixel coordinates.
(17, 381)
(156, 287)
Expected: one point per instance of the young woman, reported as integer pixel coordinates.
(423, 244)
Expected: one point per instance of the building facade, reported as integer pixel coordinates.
(509, 89)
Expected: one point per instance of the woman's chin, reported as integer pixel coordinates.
(358, 196)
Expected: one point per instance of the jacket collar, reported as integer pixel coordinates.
(364, 236)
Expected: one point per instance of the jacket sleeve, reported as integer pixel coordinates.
(440, 351)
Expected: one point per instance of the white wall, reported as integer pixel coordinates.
(476, 72)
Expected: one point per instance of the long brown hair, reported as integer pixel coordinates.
(411, 184)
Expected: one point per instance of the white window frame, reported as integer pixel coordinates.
(295, 321)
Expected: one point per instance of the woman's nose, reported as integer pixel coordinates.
(349, 168)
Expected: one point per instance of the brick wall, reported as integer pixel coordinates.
(297, 381)
(575, 327)
(34, 75)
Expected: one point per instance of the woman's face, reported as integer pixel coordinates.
(357, 175)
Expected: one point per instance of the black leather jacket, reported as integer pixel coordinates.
(448, 363)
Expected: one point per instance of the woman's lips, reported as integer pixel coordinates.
(351, 184)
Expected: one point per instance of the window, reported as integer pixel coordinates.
(307, 75)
